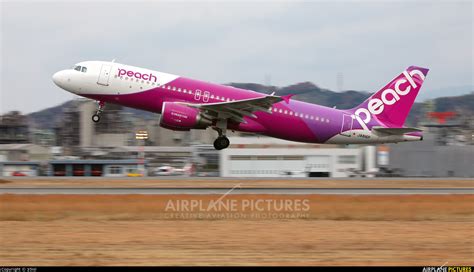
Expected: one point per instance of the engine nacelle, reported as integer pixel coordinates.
(177, 116)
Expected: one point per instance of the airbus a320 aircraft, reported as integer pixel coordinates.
(186, 104)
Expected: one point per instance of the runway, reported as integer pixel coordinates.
(237, 191)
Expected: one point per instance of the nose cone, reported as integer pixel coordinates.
(59, 78)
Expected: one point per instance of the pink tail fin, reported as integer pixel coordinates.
(390, 106)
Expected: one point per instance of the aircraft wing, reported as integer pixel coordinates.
(237, 110)
(395, 131)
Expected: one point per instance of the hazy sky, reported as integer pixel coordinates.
(280, 42)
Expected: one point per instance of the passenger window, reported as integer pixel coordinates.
(84, 69)
(78, 68)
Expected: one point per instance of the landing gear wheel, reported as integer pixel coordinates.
(95, 118)
(221, 142)
(100, 108)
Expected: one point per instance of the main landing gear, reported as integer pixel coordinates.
(222, 141)
(100, 108)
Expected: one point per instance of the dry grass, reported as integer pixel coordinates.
(321, 207)
(229, 242)
(229, 183)
(338, 230)
(3, 181)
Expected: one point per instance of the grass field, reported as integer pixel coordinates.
(333, 230)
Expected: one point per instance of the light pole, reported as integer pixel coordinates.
(142, 135)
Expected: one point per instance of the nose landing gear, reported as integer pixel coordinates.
(96, 118)
(100, 108)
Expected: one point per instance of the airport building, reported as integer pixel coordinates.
(432, 158)
(24, 152)
(19, 168)
(106, 168)
(270, 157)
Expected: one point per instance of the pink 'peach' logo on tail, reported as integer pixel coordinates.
(388, 97)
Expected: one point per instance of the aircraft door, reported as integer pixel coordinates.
(104, 75)
(347, 121)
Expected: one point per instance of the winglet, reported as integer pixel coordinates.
(287, 97)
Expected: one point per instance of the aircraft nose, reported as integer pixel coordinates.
(58, 78)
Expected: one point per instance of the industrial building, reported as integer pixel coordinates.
(14, 128)
(270, 157)
(117, 128)
(76, 128)
(24, 152)
(429, 158)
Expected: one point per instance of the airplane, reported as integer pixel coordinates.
(168, 170)
(186, 104)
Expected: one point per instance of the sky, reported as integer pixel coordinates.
(280, 43)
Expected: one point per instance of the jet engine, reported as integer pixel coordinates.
(176, 116)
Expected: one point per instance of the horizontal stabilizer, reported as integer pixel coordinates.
(395, 131)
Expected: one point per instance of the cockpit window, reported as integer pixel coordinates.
(84, 69)
(77, 68)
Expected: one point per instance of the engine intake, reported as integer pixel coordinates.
(176, 116)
